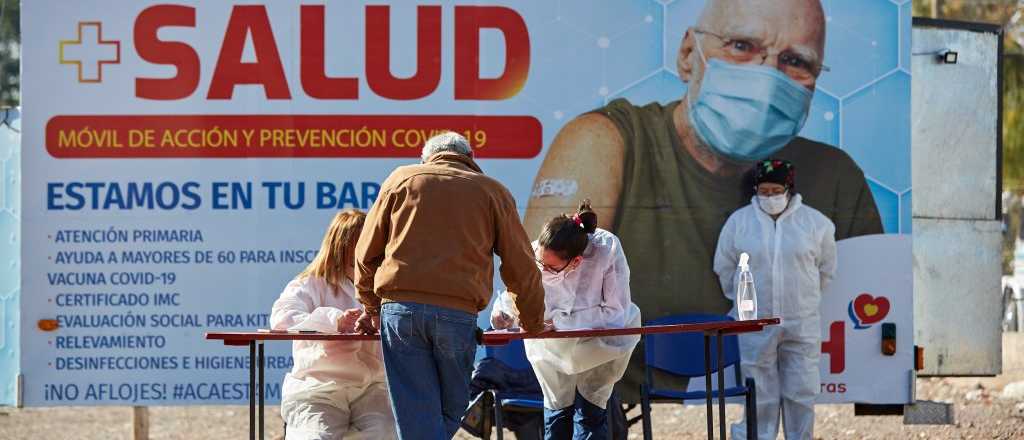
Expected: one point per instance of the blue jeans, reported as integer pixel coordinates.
(589, 422)
(428, 359)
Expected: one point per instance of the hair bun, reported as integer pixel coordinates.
(588, 216)
(569, 234)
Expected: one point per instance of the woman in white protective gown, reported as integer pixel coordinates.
(336, 389)
(586, 285)
(792, 251)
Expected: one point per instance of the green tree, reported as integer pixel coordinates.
(990, 11)
(10, 53)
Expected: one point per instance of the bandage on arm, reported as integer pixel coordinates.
(585, 160)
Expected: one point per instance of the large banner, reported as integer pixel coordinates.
(182, 159)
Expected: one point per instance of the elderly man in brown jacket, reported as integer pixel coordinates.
(424, 266)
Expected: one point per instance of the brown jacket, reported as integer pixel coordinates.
(431, 236)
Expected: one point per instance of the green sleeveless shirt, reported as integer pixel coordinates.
(671, 211)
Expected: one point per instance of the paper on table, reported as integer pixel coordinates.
(266, 330)
(506, 330)
(519, 330)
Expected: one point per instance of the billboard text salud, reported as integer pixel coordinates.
(182, 159)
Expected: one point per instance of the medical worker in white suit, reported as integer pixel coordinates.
(792, 252)
(586, 285)
(336, 389)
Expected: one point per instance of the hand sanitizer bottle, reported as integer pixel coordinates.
(746, 296)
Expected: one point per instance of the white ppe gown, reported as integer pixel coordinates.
(792, 259)
(336, 389)
(594, 295)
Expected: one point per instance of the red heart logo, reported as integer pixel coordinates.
(870, 309)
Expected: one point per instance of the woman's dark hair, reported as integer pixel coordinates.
(567, 235)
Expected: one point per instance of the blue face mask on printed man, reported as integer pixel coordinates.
(747, 112)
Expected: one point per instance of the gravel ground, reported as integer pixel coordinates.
(981, 413)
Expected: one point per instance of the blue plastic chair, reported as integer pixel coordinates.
(513, 355)
(677, 354)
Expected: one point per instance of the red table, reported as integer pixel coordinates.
(255, 341)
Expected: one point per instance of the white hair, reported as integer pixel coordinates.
(447, 142)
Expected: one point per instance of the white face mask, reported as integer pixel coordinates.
(552, 279)
(774, 205)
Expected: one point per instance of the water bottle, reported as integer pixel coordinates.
(746, 295)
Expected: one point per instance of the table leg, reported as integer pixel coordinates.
(751, 410)
(263, 387)
(707, 386)
(252, 390)
(721, 384)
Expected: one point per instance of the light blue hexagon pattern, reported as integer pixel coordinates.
(861, 105)
(876, 127)
(862, 43)
(629, 49)
(906, 200)
(679, 16)
(10, 254)
(660, 86)
(906, 14)
(823, 120)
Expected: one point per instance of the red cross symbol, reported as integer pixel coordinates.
(91, 52)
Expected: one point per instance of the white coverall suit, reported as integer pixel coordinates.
(336, 389)
(594, 295)
(792, 259)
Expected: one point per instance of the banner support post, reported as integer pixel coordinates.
(140, 423)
